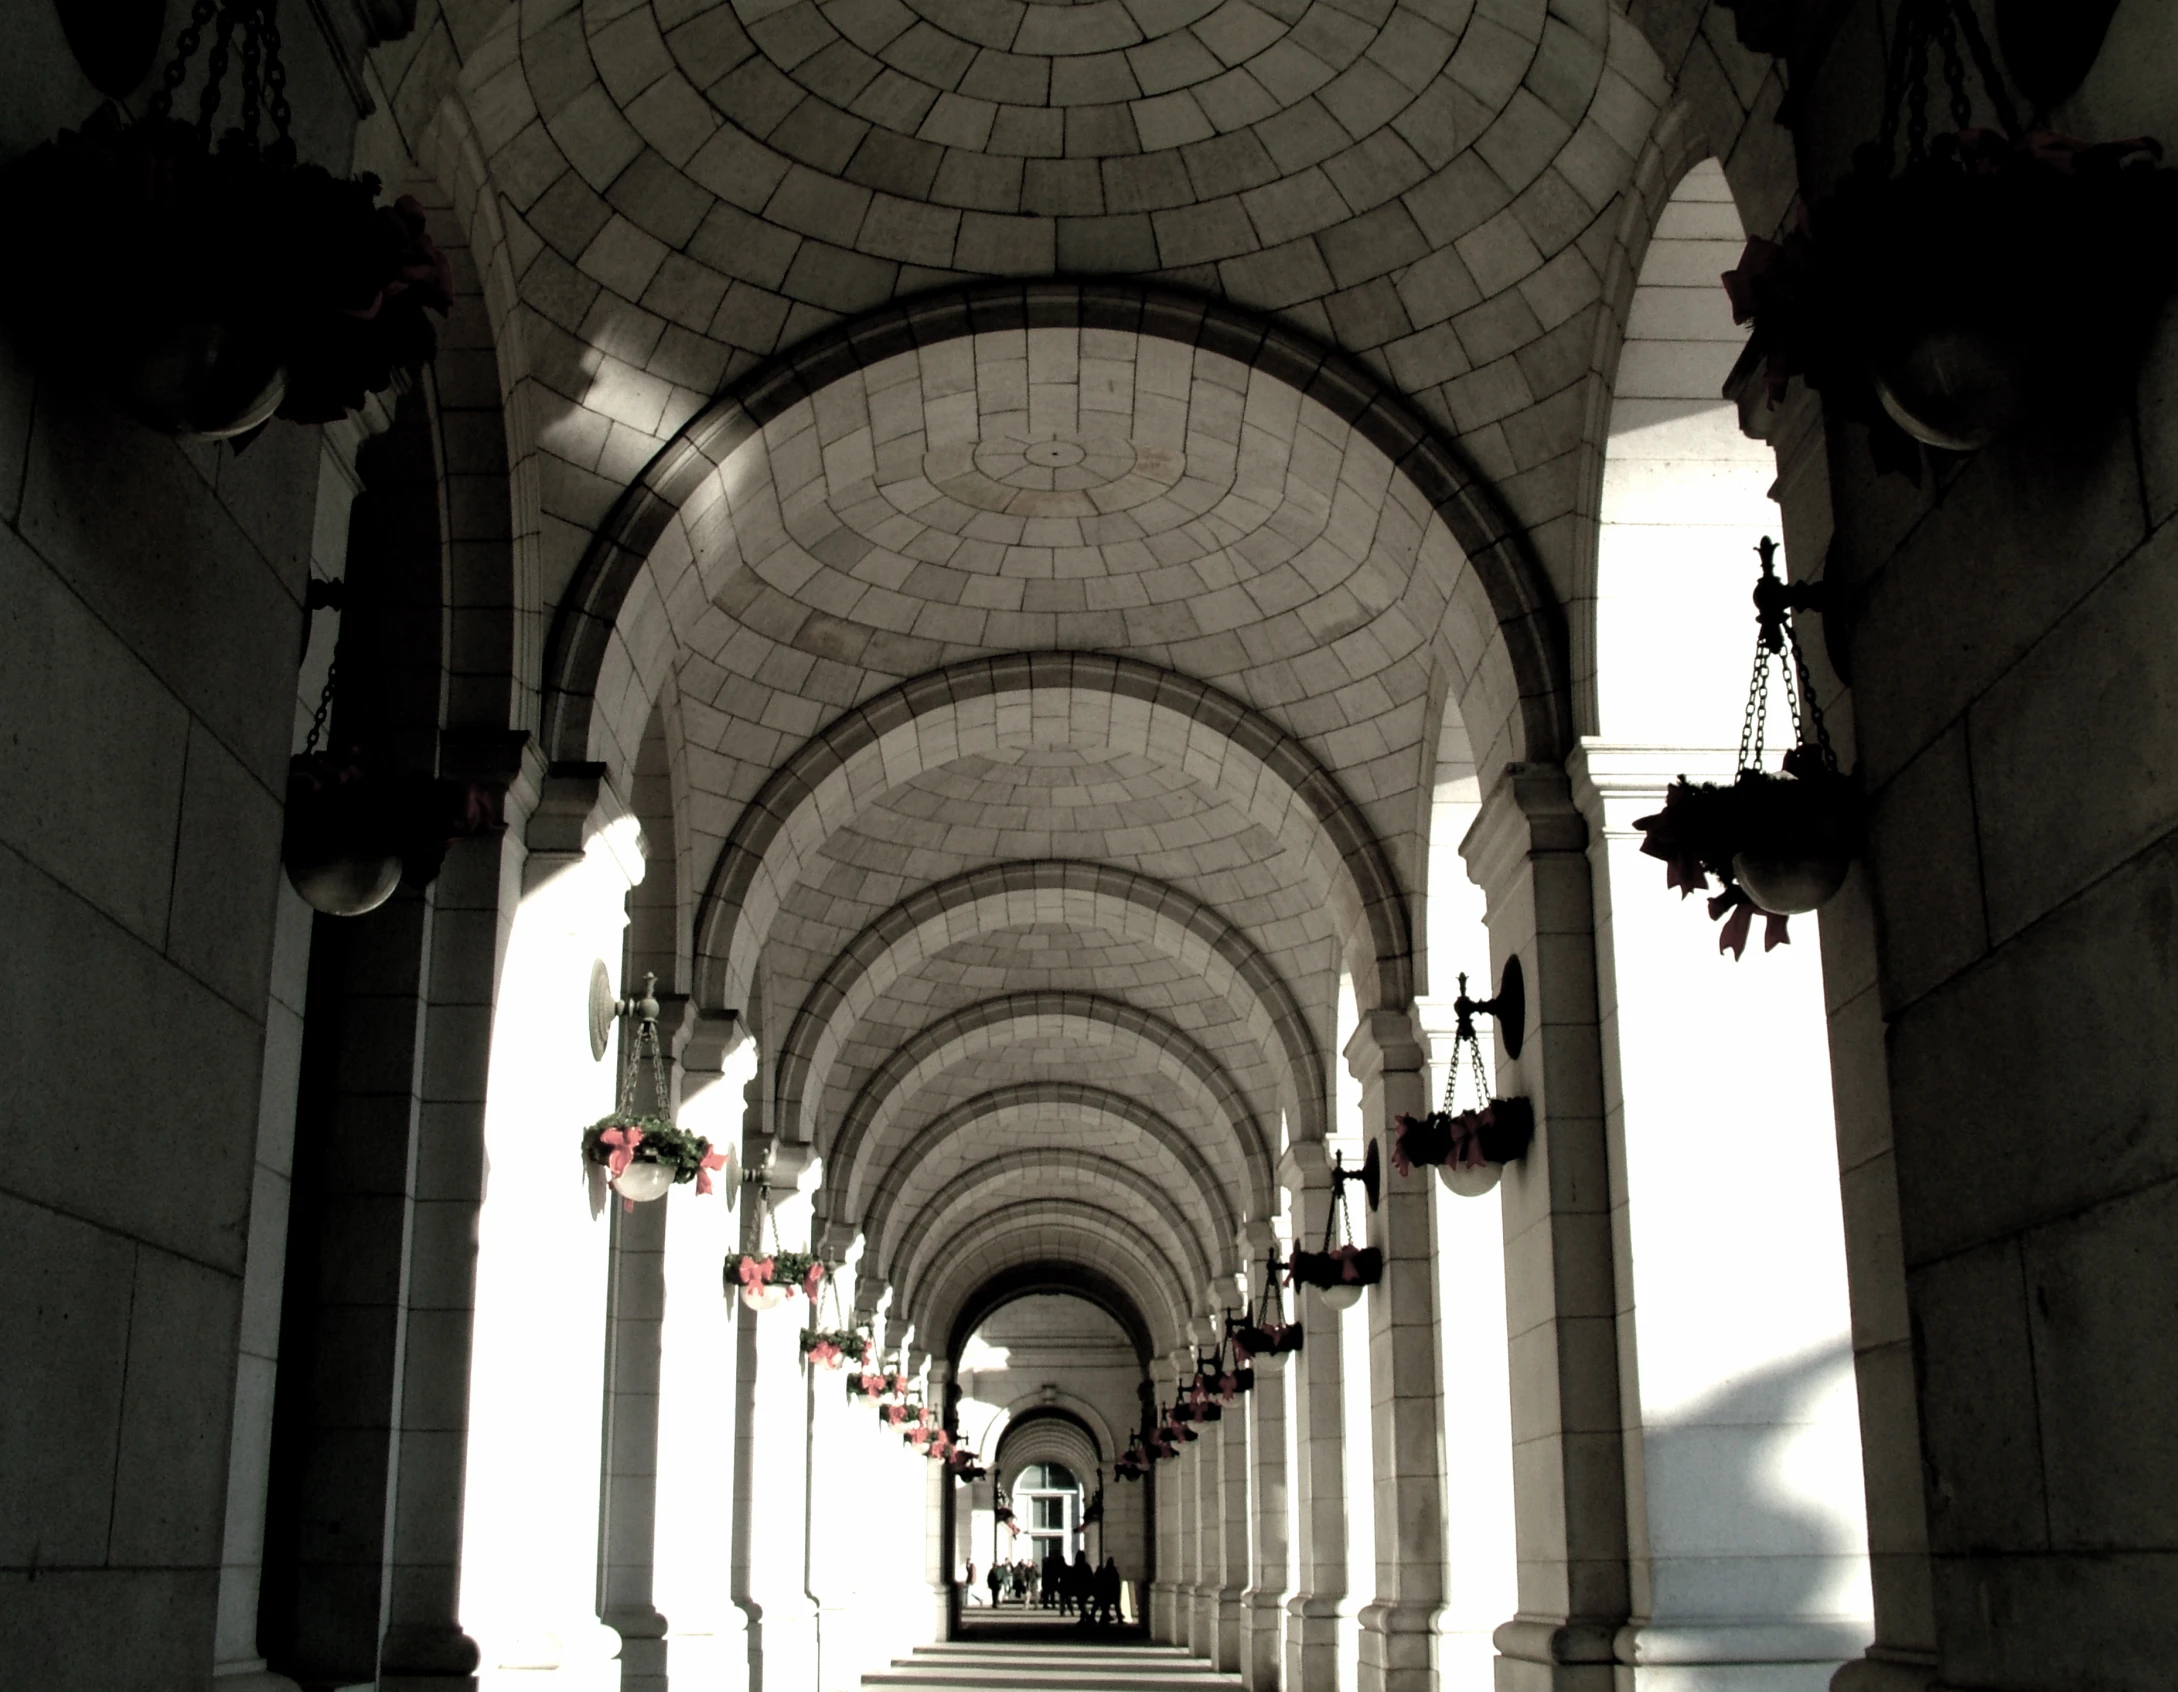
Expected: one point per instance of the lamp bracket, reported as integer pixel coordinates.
(1509, 1007)
(1370, 1174)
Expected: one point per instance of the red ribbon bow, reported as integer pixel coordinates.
(711, 1160)
(755, 1272)
(623, 1142)
(826, 1353)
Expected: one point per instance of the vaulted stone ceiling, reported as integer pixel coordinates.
(1045, 950)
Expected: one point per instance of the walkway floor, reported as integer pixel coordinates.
(1019, 1665)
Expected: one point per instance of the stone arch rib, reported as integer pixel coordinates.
(1273, 776)
(1530, 620)
(1039, 1229)
(1089, 1102)
(1107, 1171)
(971, 1023)
(1010, 895)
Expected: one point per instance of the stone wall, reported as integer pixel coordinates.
(150, 611)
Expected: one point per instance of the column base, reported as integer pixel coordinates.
(1399, 1648)
(1262, 1645)
(1230, 1650)
(250, 1677)
(1552, 1656)
(1883, 1670)
(423, 1659)
(1318, 1631)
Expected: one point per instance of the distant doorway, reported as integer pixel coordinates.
(1047, 1498)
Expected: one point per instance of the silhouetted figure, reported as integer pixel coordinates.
(1105, 1593)
(1053, 1592)
(996, 1580)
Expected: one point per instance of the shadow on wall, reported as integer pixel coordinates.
(1757, 1519)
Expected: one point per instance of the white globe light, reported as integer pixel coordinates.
(767, 1297)
(1470, 1183)
(641, 1182)
(1344, 1296)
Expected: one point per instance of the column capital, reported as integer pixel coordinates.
(832, 1240)
(576, 805)
(1303, 1165)
(1614, 783)
(1528, 809)
(1384, 1043)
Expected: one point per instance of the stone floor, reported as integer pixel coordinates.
(1056, 1664)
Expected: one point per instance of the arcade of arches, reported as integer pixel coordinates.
(1058, 572)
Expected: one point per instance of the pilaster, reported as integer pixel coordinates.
(1528, 851)
(1398, 1629)
(1319, 1631)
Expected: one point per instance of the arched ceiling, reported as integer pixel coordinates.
(1052, 685)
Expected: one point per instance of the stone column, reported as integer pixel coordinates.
(1237, 1485)
(1398, 1630)
(529, 1556)
(771, 1527)
(1319, 1633)
(1262, 1637)
(693, 1580)
(1481, 1577)
(1742, 1438)
(635, 1307)
(1528, 851)
(1209, 1520)
(425, 1648)
(1903, 1656)
(1165, 1477)
(943, 1529)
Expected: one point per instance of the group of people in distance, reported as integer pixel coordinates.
(1073, 1589)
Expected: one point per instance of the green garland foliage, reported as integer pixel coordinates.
(853, 1346)
(662, 1143)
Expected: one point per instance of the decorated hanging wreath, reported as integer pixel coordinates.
(1272, 1339)
(834, 1348)
(1779, 843)
(1500, 1131)
(1999, 272)
(766, 1281)
(1340, 1266)
(212, 284)
(621, 1138)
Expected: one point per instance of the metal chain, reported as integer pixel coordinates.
(215, 68)
(1916, 84)
(1991, 80)
(185, 47)
(1814, 709)
(1947, 38)
(276, 79)
(1472, 1042)
(325, 705)
(251, 48)
(1753, 726)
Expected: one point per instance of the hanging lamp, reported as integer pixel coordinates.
(1779, 843)
(642, 1154)
(1468, 1148)
(2001, 274)
(209, 280)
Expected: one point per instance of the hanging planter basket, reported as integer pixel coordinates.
(642, 1155)
(1265, 1332)
(210, 282)
(1780, 843)
(2002, 274)
(1468, 1148)
(351, 833)
(1275, 1339)
(767, 1281)
(1336, 1269)
(1339, 1273)
(878, 1385)
(834, 1348)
